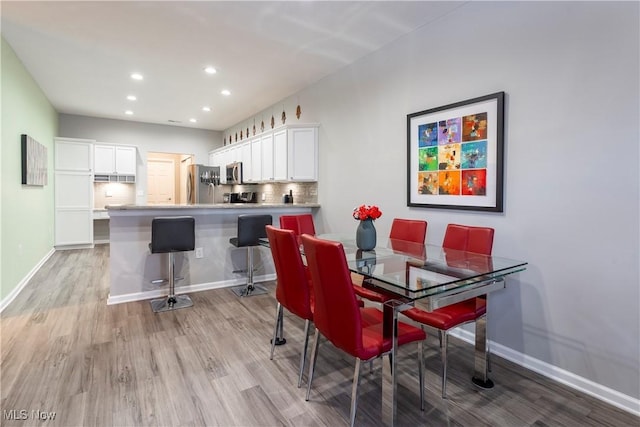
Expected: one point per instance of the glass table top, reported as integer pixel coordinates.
(414, 270)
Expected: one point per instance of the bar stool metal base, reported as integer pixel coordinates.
(249, 290)
(171, 303)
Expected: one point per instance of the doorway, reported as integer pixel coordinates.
(166, 173)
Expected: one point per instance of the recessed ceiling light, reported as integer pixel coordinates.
(210, 70)
(131, 97)
(225, 92)
(207, 109)
(137, 76)
(129, 113)
(192, 120)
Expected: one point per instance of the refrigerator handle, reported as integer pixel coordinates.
(190, 188)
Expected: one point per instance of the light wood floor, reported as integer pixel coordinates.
(65, 351)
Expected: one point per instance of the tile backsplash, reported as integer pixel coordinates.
(113, 193)
(303, 192)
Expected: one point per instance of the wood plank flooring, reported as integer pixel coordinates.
(65, 351)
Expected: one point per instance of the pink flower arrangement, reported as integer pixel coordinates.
(366, 212)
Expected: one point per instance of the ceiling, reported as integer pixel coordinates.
(82, 54)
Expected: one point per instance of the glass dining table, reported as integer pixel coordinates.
(433, 276)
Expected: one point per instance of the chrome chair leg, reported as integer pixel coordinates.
(421, 372)
(312, 364)
(443, 352)
(354, 392)
(303, 357)
(275, 329)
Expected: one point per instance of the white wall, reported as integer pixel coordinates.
(146, 136)
(570, 72)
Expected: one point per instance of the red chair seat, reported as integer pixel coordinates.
(448, 317)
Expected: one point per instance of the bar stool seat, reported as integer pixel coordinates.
(251, 228)
(171, 235)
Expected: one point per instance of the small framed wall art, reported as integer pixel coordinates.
(455, 155)
(34, 162)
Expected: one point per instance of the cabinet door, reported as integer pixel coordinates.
(224, 161)
(245, 158)
(125, 160)
(303, 145)
(104, 159)
(73, 208)
(216, 158)
(267, 157)
(256, 160)
(280, 154)
(71, 155)
(233, 155)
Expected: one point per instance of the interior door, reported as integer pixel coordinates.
(161, 182)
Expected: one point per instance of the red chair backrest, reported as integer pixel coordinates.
(289, 222)
(292, 285)
(305, 224)
(410, 230)
(337, 313)
(468, 238)
(300, 224)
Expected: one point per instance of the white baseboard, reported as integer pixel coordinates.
(157, 293)
(613, 397)
(14, 293)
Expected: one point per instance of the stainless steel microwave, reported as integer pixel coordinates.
(234, 173)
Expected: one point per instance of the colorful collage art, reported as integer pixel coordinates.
(452, 156)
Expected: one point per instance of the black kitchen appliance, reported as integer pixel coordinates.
(244, 197)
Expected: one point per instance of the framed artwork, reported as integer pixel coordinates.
(34, 162)
(455, 155)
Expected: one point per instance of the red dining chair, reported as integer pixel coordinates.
(410, 230)
(300, 224)
(407, 230)
(337, 316)
(293, 287)
(464, 238)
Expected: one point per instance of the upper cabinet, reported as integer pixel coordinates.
(302, 149)
(74, 155)
(266, 157)
(115, 163)
(287, 154)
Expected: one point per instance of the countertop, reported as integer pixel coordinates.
(212, 206)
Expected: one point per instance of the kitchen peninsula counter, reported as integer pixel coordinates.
(133, 267)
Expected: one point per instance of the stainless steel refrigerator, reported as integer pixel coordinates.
(201, 184)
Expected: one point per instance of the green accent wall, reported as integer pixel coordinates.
(26, 212)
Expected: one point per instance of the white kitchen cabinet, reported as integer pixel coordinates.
(288, 154)
(302, 144)
(280, 154)
(219, 158)
(266, 146)
(256, 160)
(115, 160)
(73, 194)
(245, 158)
(73, 155)
(125, 160)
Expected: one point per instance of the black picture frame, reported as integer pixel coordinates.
(34, 162)
(455, 155)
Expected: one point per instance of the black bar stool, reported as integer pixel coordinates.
(170, 235)
(250, 229)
